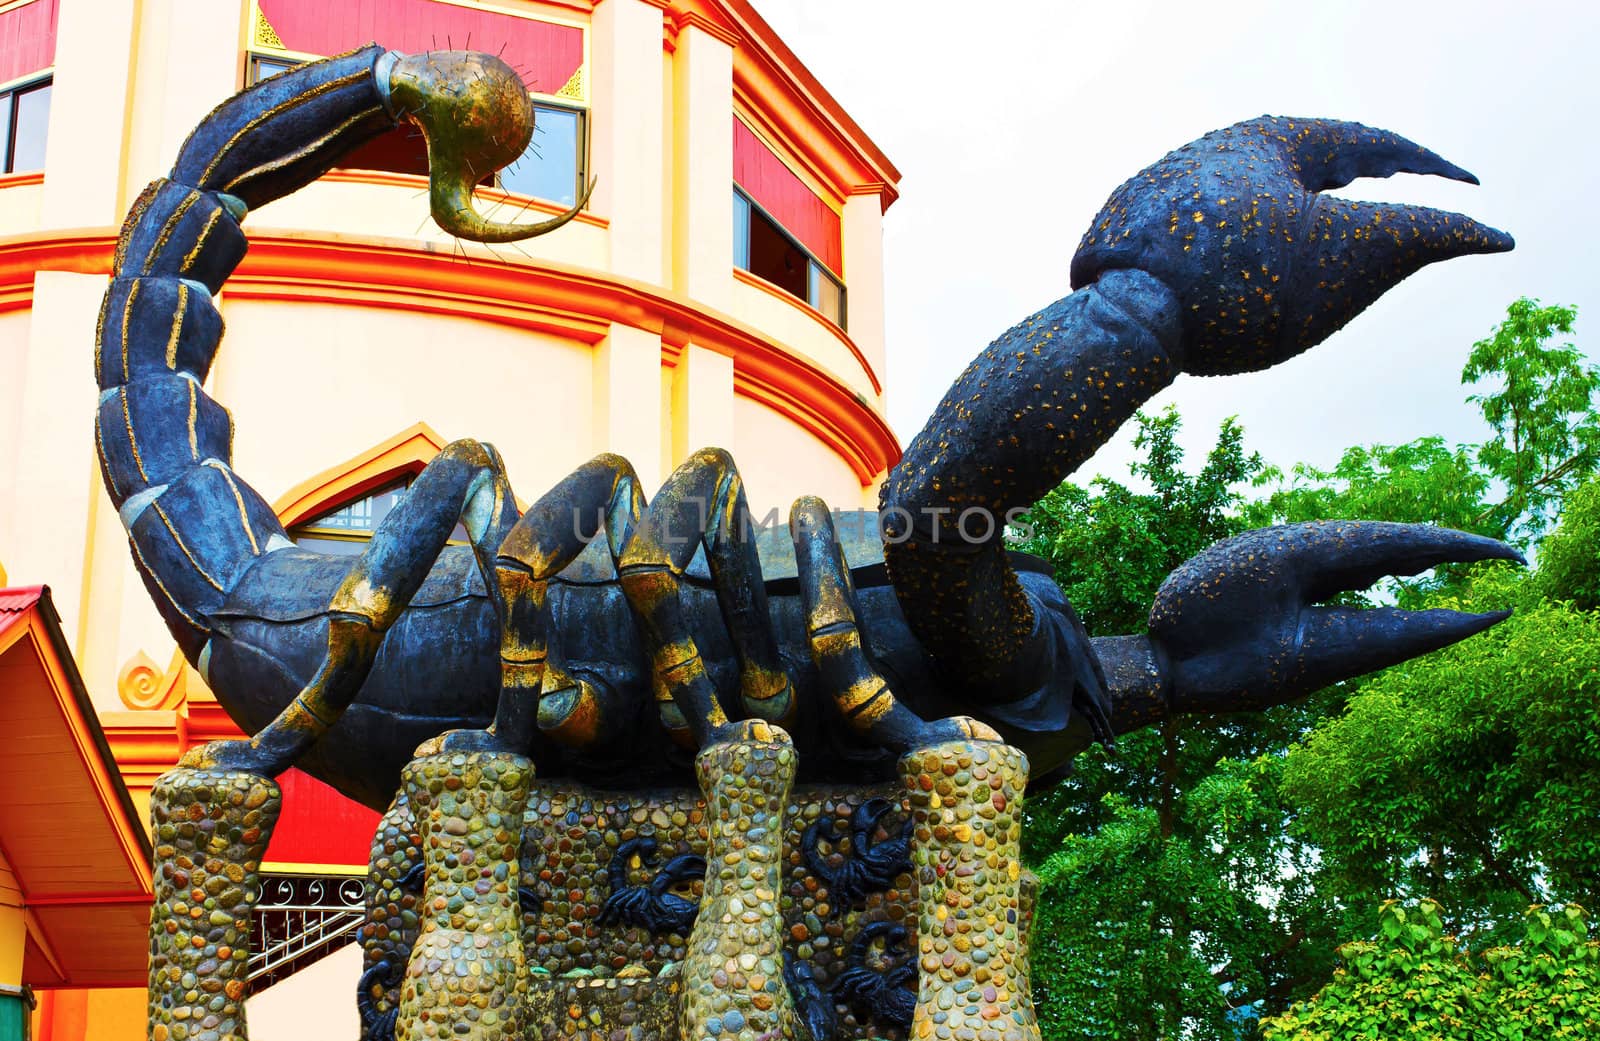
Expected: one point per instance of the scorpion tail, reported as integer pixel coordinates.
(617, 869)
(165, 447)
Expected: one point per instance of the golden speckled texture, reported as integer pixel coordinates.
(733, 985)
(570, 834)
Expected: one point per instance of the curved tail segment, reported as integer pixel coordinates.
(165, 447)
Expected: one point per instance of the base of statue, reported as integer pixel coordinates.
(500, 906)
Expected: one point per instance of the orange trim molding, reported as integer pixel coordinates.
(576, 303)
(86, 252)
(572, 302)
(773, 85)
(780, 97)
(18, 180)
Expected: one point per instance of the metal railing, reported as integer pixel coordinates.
(300, 920)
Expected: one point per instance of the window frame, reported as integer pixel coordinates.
(254, 59)
(540, 101)
(10, 94)
(308, 529)
(815, 268)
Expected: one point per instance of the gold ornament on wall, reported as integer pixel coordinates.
(144, 687)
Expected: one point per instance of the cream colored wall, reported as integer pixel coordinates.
(393, 211)
(311, 385)
(861, 234)
(88, 128)
(702, 170)
(53, 475)
(628, 149)
(780, 462)
(20, 207)
(318, 1003)
(14, 340)
(702, 403)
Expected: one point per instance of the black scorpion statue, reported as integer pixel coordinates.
(653, 906)
(596, 660)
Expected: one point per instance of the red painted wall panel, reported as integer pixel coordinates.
(27, 39)
(766, 179)
(320, 826)
(545, 53)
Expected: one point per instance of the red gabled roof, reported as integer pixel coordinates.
(74, 853)
(14, 602)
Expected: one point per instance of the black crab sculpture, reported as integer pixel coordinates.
(603, 639)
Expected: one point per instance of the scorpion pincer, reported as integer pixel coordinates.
(606, 657)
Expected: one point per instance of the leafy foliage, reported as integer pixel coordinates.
(1172, 890)
(1112, 547)
(1413, 983)
(1463, 775)
(1569, 558)
(1545, 442)
(1421, 482)
(1546, 431)
(1206, 867)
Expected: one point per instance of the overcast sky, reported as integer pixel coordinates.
(1011, 123)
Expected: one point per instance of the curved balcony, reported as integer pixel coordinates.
(807, 332)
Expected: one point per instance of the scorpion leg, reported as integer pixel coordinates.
(704, 497)
(533, 689)
(464, 483)
(858, 689)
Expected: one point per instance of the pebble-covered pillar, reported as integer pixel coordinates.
(465, 980)
(733, 988)
(966, 811)
(211, 829)
(391, 924)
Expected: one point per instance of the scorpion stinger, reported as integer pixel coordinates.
(476, 115)
(1220, 258)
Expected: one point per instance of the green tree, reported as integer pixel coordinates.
(1546, 431)
(1420, 482)
(1569, 559)
(1459, 775)
(1171, 888)
(1208, 864)
(1413, 983)
(1545, 441)
(1464, 775)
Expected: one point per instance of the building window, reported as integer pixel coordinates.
(264, 68)
(24, 124)
(346, 530)
(762, 247)
(552, 167)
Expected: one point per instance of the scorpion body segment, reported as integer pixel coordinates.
(653, 907)
(870, 867)
(609, 659)
(887, 994)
